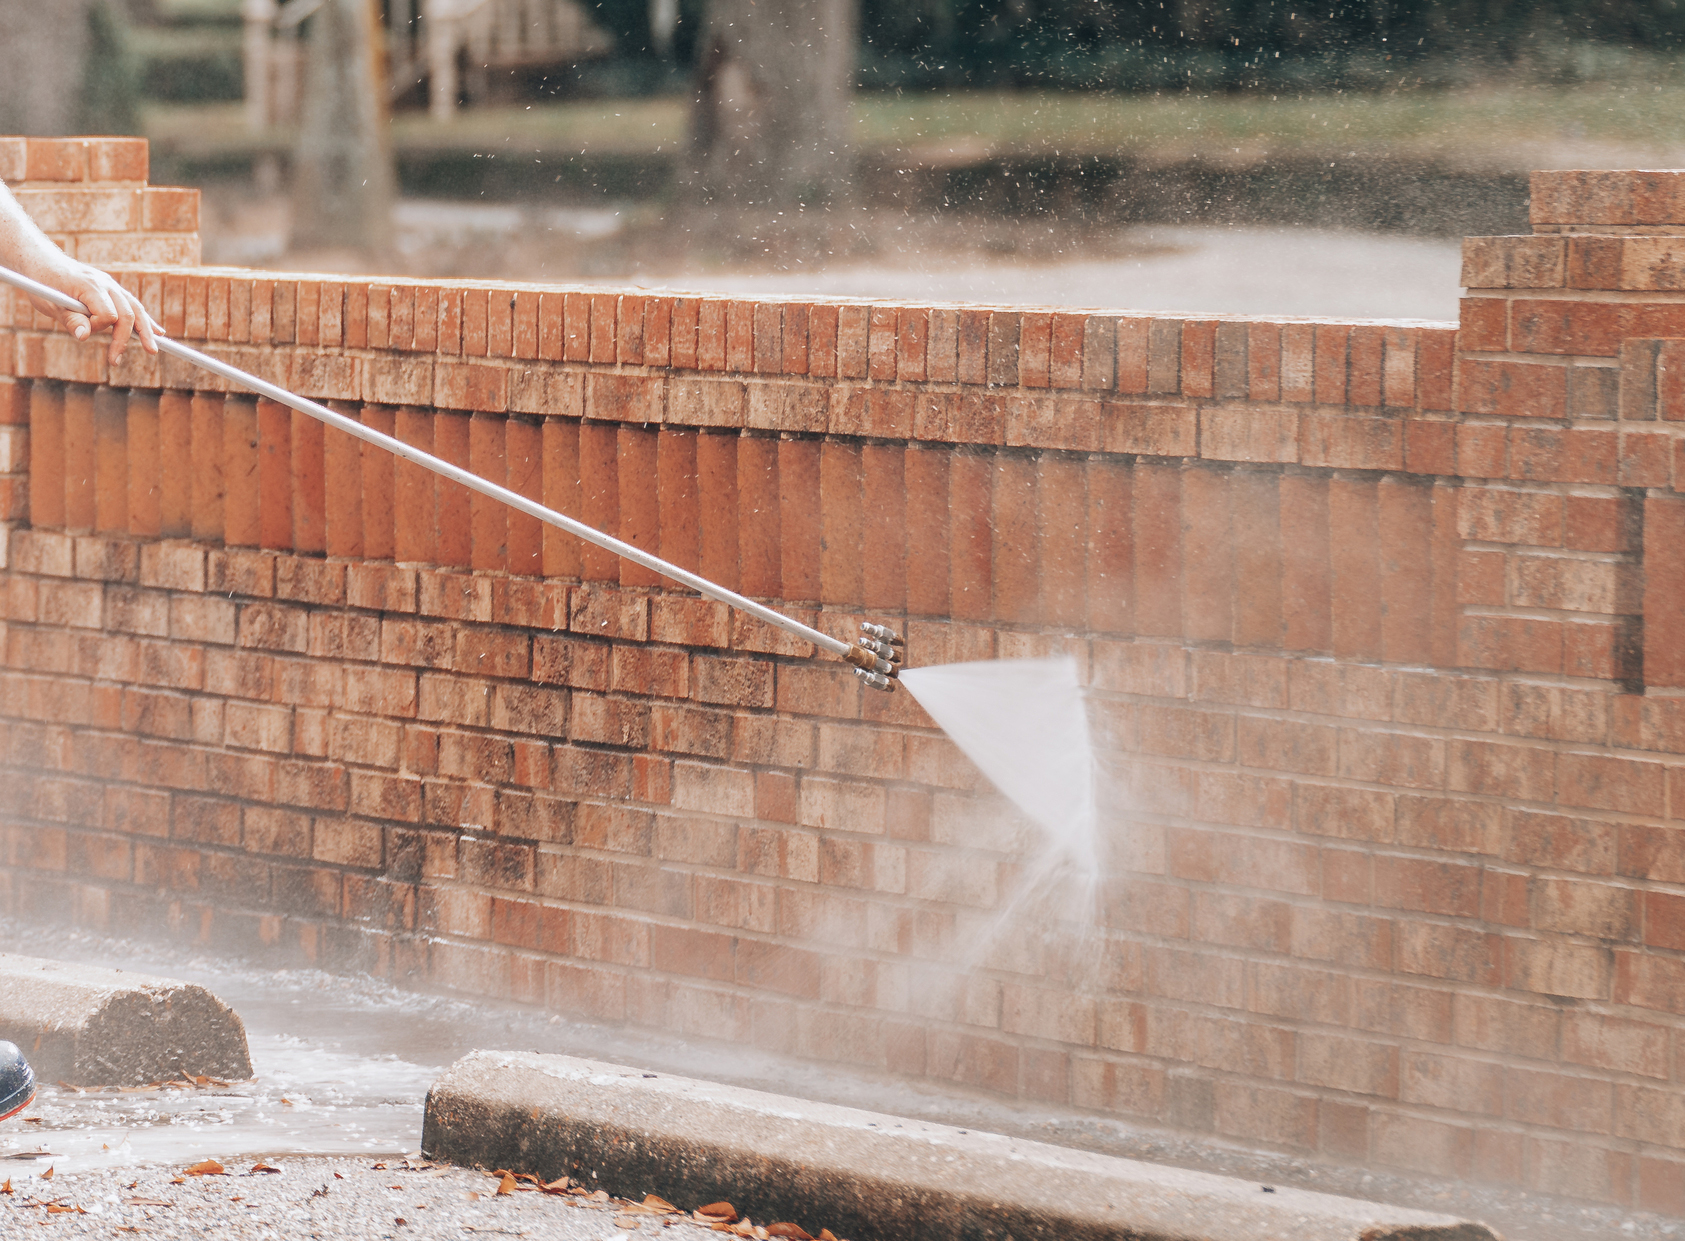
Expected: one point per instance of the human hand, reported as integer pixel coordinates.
(114, 308)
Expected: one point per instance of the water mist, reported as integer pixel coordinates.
(1024, 724)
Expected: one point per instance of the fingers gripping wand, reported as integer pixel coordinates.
(876, 656)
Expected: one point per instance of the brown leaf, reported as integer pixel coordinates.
(506, 1185)
(825, 1234)
(623, 1220)
(600, 1196)
(205, 1167)
(660, 1204)
(400, 1221)
(557, 1186)
(178, 1180)
(146, 1202)
(721, 1211)
(31, 1120)
(7, 1187)
(264, 1167)
(794, 1231)
(47, 1175)
(54, 1208)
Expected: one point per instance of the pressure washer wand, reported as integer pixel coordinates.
(875, 656)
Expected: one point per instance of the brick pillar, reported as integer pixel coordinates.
(1569, 391)
(90, 195)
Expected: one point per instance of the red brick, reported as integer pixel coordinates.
(1306, 583)
(1514, 389)
(1484, 324)
(1157, 539)
(800, 538)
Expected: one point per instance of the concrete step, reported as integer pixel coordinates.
(87, 1026)
(863, 1175)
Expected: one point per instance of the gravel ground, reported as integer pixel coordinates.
(330, 1198)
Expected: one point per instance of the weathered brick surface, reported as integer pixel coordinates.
(1380, 623)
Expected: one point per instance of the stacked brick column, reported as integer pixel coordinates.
(90, 195)
(1377, 620)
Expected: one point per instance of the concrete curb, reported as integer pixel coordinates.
(88, 1026)
(863, 1175)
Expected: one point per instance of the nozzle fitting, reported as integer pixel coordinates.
(876, 656)
(870, 661)
(876, 680)
(883, 633)
(881, 649)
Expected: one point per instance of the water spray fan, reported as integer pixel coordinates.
(875, 656)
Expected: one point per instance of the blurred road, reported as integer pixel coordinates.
(1219, 271)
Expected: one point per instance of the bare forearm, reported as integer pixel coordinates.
(111, 308)
(23, 246)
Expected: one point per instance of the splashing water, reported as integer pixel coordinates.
(1024, 723)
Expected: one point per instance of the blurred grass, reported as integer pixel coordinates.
(1494, 125)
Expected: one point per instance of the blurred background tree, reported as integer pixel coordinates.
(342, 167)
(770, 104)
(66, 67)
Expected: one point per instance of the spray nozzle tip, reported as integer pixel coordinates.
(883, 633)
(876, 680)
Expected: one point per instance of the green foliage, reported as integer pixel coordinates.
(1212, 44)
(110, 101)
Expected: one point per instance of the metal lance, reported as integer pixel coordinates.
(876, 656)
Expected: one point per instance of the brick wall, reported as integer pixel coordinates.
(1380, 620)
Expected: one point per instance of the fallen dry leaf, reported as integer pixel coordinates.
(264, 1167)
(825, 1234)
(794, 1231)
(626, 1221)
(660, 1204)
(7, 1187)
(146, 1202)
(506, 1185)
(558, 1186)
(400, 1221)
(600, 1196)
(54, 1208)
(720, 1212)
(205, 1167)
(178, 1180)
(47, 1175)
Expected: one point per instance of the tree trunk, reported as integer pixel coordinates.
(343, 172)
(770, 124)
(43, 54)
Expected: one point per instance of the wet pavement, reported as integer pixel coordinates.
(343, 1065)
(325, 1198)
(1185, 271)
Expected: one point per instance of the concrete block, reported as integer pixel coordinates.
(98, 1027)
(860, 1174)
